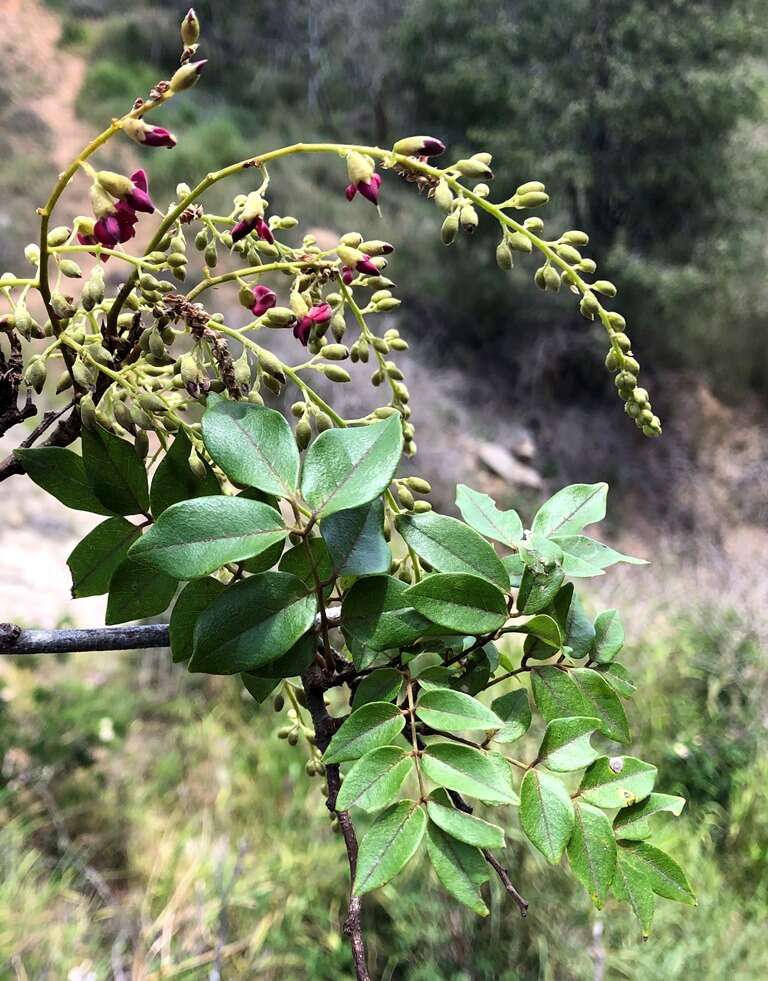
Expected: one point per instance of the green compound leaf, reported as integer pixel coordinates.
(115, 474)
(584, 556)
(175, 481)
(61, 473)
(136, 591)
(355, 540)
(632, 885)
(460, 868)
(466, 604)
(448, 545)
(482, 514)
(388, 846)
(465, 827)
(546, 814)
(93, 561)
(377, 614)
(192, 600)
(254, 446)
(194, 538)
(570, 510)
(372, 725)
(665, 876)
(375, 780)
(487, 776)
(345, 468)
(566, 744)
(633, 823)
(592, 851)
(515, 711)
(382, 685)
(617, 781)
(609, 636)
(253, 622)
(454, 711)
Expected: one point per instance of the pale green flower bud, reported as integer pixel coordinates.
(473, 168)
(58, 236)
(552, 279)
(443, 196)
(450, 229)
(568, 253)
(87, 410)
(35, 374)
(576, 238)
(70, 269)
(533, 224)
(530, 187)
(280, 317)
(504, 256)
(335, 373)
(533, 199)
(303, 433)
(588, 266)
(605, 287)
(190, 29)
(519, 242)
(334, 352)
(589, 306)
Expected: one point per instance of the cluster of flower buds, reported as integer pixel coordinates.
(116, 201)
(361, 171)
(182, 79)
(620, 360)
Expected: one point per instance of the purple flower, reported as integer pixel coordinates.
(368, 188)
(315, 316)
(367, 265)
(263, 299)
(158, 136)
(138, 197)
(256, 224)
(141, 132)
(106, 231)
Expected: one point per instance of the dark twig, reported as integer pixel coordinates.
(45, 423)
(325, 726)
(498, 868)
(66, 432)
(506, 881)
(14, 640)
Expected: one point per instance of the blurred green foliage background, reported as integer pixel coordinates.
(152, 820)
